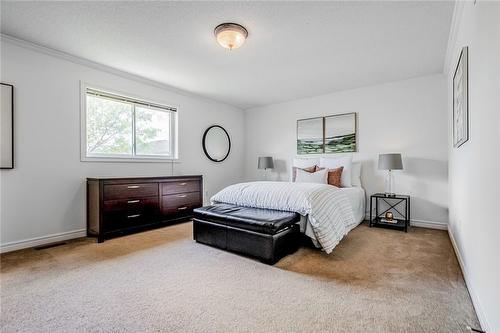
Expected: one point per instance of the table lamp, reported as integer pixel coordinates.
(390, 162)
(265, 162)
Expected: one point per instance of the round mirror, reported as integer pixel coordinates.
(216, 143)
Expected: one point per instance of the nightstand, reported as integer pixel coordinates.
(396, 204)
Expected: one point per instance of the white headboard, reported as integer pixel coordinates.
(304, 162)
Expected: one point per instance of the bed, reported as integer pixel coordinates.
(356, 198)
(327, 212)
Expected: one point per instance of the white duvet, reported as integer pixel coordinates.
(327, 208)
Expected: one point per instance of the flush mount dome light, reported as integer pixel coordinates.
(230, 35)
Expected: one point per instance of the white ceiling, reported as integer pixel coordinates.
(294, 49)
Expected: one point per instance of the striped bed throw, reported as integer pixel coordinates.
(328, 211)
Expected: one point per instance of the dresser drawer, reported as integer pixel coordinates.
(128, 205)
(181, 202)
(126, 213)
(180, 187)
(126, 191)
(119, 220)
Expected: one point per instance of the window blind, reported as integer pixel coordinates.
(124, 99)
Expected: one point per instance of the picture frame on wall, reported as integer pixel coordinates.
(7, 126)
(310, 136)
(461, 99)
(340, 133)
(327, 135)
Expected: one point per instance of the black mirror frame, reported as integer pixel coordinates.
(205, 148)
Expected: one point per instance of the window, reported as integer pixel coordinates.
(127, 128)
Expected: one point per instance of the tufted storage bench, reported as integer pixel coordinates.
(262, 233)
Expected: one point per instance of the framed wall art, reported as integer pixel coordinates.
(310, 133)
(340, 133)
(327, 135)
(461, 100)
(7, 126)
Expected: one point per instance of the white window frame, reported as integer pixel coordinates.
(84, 157)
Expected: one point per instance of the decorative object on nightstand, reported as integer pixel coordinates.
(386, 218)
(389, 218)
(390, 162)
(265, 162)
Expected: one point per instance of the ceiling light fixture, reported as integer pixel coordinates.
(230, 35)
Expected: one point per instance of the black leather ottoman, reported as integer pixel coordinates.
(266, 234)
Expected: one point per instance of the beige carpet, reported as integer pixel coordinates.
(376, 280)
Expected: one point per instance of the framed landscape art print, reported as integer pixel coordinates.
(327, 135)
(461, 100)
(310, 133)
(340, 133)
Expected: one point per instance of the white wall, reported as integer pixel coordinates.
(45, 193)
(474, 177)
(407, 116)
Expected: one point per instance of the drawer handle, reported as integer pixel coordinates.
(133, 201)
(182, 208)
(133, 216)
(181, 195)
(133, 186)
(182, 184)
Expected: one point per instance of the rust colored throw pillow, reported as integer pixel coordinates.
(334, 175)
(308, 169)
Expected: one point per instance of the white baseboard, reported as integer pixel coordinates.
(475, 300)
(429, 224)
(37, 241)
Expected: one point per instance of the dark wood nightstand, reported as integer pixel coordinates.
(394, 202)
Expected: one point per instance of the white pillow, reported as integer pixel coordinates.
(318, 177)
(356, 174)
(302, 163)
(305, 162)
(337, 162)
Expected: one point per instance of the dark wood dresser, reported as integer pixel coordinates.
(117, 206)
